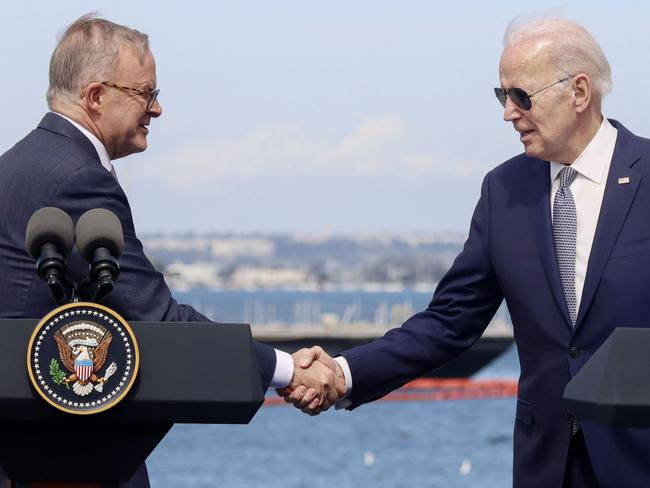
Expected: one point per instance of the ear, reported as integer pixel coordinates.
(581, 92)
(93, 97)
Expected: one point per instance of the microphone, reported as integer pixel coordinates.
(48, 240)
(100, 241)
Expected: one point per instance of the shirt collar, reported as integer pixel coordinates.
(104, 158)
(593, 161)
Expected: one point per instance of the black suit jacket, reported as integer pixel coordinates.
(56, 165)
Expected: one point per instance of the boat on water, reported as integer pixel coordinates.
(498, 337)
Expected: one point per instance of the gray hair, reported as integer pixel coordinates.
(573, 49)
(88, 51)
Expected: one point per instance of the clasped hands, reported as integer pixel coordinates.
(317, 383)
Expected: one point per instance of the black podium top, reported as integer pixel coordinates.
(612, 387)
(189, 373)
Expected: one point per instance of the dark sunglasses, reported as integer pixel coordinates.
(519, 97)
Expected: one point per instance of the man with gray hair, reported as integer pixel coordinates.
(103, 95)
(562, 233)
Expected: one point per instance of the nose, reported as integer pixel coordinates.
(156, 109)
(511, 111)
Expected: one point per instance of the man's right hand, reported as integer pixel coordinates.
(317, 383)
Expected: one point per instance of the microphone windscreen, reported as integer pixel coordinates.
(49, 225)
(99, 228)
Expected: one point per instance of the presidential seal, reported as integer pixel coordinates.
(82, 358)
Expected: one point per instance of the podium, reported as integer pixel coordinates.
(189, 373)
(612, 387)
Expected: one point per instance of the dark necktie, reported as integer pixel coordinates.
(564, 235)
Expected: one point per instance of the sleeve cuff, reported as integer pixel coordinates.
(283, 370)
(345, 401)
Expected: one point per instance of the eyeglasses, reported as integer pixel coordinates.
(149, 95)
(519, 97)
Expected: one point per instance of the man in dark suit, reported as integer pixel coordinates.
(102, 96)
(562, 233)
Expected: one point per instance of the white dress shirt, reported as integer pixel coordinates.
(284, 362)
(588, 189)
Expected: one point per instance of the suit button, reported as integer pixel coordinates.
(574, 353)
(568, 415)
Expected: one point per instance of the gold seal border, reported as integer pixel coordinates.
(63, 308)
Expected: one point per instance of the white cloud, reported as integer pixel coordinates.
(378, 145)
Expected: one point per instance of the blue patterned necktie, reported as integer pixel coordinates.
(564, 235)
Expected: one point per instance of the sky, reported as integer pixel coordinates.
(317, 117)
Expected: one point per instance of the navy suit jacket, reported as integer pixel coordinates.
(56, 165)
(510, 255)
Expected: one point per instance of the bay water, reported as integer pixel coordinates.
(412, 444)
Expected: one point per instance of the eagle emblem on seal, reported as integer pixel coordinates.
(82, 358)
(83, 349)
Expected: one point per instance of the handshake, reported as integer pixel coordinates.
(318, 381)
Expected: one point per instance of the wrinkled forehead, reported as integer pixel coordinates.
(526, 64)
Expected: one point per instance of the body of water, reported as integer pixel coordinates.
(458, 443)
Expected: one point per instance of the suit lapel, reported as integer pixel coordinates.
(613, 211)
(540, 218)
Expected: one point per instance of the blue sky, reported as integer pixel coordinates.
(316, 117)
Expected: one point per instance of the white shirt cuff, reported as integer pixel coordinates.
(345, 401)
(283, 370)
(346, 373)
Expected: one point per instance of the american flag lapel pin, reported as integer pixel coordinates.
(624, 180)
